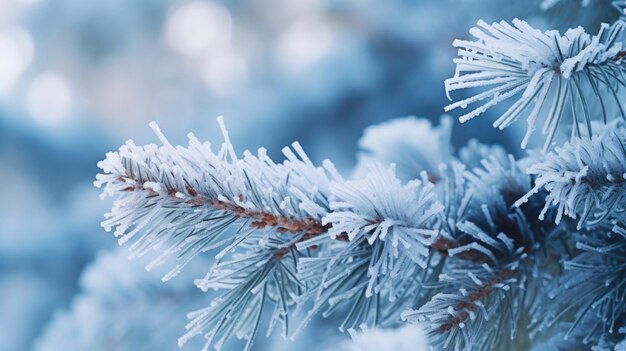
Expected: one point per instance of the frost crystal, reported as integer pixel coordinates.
(186, 198)
(539, 68)
(414, 145)
(396, 219)
(584, 178)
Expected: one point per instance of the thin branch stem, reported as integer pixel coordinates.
(469, 303)
(263, 219)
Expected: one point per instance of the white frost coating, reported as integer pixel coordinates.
(412, 144)
(593, 52)
(181, 183)
(450, 317)
(181, 201)
(379, 208)
(487, 259)
(584, 178)
(516, 60)
(406, 338)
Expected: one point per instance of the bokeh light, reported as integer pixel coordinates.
(198, 27)
(16, 54)
(226, 73)
(49, 99)
(305, 42)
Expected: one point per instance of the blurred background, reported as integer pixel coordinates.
(78, 78)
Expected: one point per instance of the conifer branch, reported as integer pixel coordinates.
(286, 231)
(544, 70)
(593, 288)
(450, 241)
(585, 178)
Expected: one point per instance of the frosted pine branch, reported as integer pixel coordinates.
(491, 266)
(479, 215)
(542, 72)
(472, 311)
(584, 178)
(452, 241)
(278, 232)
(257, 279)
(390, 227)
(184, 199)
(380, 208)
(592, 289)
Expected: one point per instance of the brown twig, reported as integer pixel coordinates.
(619, 55)
(469, 303)
(263, 219)
(443, 245)
(260, 219)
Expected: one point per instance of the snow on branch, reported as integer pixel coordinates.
(413, 144)
(406, 338)
(389, 226)
(542, 72)
(380, 208)
(286, 232)
(490, 266)
(584, 178)
(184, 200)
(472, 308)
(256, 277)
